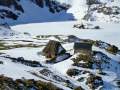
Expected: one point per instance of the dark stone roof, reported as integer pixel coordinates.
(81, 45)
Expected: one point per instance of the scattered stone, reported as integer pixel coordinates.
(94, 81)
(86, 26)
(25, 62)
(73, 72)
(83, 60)
(50, 74)
(7, 83)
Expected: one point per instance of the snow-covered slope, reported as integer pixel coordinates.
(26, 11)
(105, 34)
(6, 32)
(95, 10)
(105, 11)
(21, 46)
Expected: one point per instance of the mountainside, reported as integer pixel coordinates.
(23, 61)
(26, 11)
(96, 10)
(6, 32)
(103, 10)
(31, 11)
(59, 45)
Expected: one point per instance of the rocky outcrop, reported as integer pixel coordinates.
(13, 9)
(6, 10)
(52, 5)
(12, 3)
(7, 83)
(94, 81)
(99, 10)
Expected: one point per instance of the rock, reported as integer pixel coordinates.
(57, 78)
(16, 8)
(91, 2)
(97, 27)
(26, 84)
(94, 81)
(82, 60)
(113, 49)
(86, 26)
(73, 72)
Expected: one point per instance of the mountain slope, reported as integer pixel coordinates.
(26, 11)
(95, 10)
(31, 11)
(5, 31)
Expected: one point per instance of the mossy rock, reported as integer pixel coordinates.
(73, 72)
(82, 57)
(94, 81)
(112, 49)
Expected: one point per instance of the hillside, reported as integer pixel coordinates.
(59, 45)
(31, 11)
(95, 10)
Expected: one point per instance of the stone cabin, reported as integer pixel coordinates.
(83, 48)
(53, 49)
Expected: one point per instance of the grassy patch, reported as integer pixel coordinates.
(5, 46)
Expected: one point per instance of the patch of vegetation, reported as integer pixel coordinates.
(112, 49)
(84, 58)
(25, 62)
(7, 83)
(106, 46)
(26, 33)
(73, 72)
(4, 46)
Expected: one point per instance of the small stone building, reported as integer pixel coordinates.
(53, 49)
(83, 48)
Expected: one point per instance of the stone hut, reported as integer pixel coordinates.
(53, 49)
(83, 48)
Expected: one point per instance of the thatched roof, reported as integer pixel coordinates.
(53, 48)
